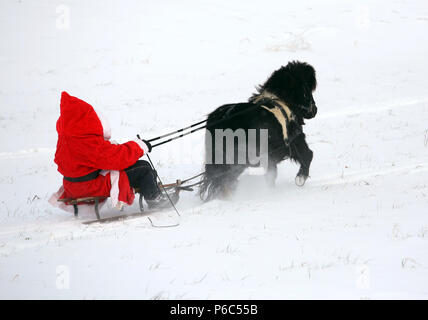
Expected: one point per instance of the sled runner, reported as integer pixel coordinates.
(87, 200)
(177, 186)
(120, 217)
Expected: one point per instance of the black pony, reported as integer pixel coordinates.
(280, 105)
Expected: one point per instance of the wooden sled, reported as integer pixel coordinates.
(96, 200)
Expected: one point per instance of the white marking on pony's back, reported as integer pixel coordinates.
(281, 119)
(277, 111)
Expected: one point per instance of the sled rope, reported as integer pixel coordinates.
(194, 177)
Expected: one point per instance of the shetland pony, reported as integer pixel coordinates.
(279, 106)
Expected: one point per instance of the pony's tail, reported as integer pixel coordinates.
(208, 187)
(212, 180)
(203, 188)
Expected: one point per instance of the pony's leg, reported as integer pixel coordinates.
(303, 155)
(230, 180)
(271, 173)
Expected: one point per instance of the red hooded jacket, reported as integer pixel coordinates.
(83, 147)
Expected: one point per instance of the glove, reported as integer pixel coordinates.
(149, 146)
(146, 144)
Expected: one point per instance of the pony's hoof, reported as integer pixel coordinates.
(300, 180)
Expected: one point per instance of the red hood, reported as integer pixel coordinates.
(77, 118)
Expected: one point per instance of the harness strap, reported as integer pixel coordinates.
(267, 100)
(90, 176)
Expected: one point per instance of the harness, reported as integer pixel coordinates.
(282, 113)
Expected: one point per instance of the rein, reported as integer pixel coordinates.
(256, 101)
(197, 129)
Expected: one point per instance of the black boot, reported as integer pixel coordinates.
(162, 201)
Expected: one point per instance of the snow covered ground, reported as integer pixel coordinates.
(358, 229)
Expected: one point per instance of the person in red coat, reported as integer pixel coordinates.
(92, 165)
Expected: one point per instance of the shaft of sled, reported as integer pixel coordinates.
(178, 137)
(178, 131)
